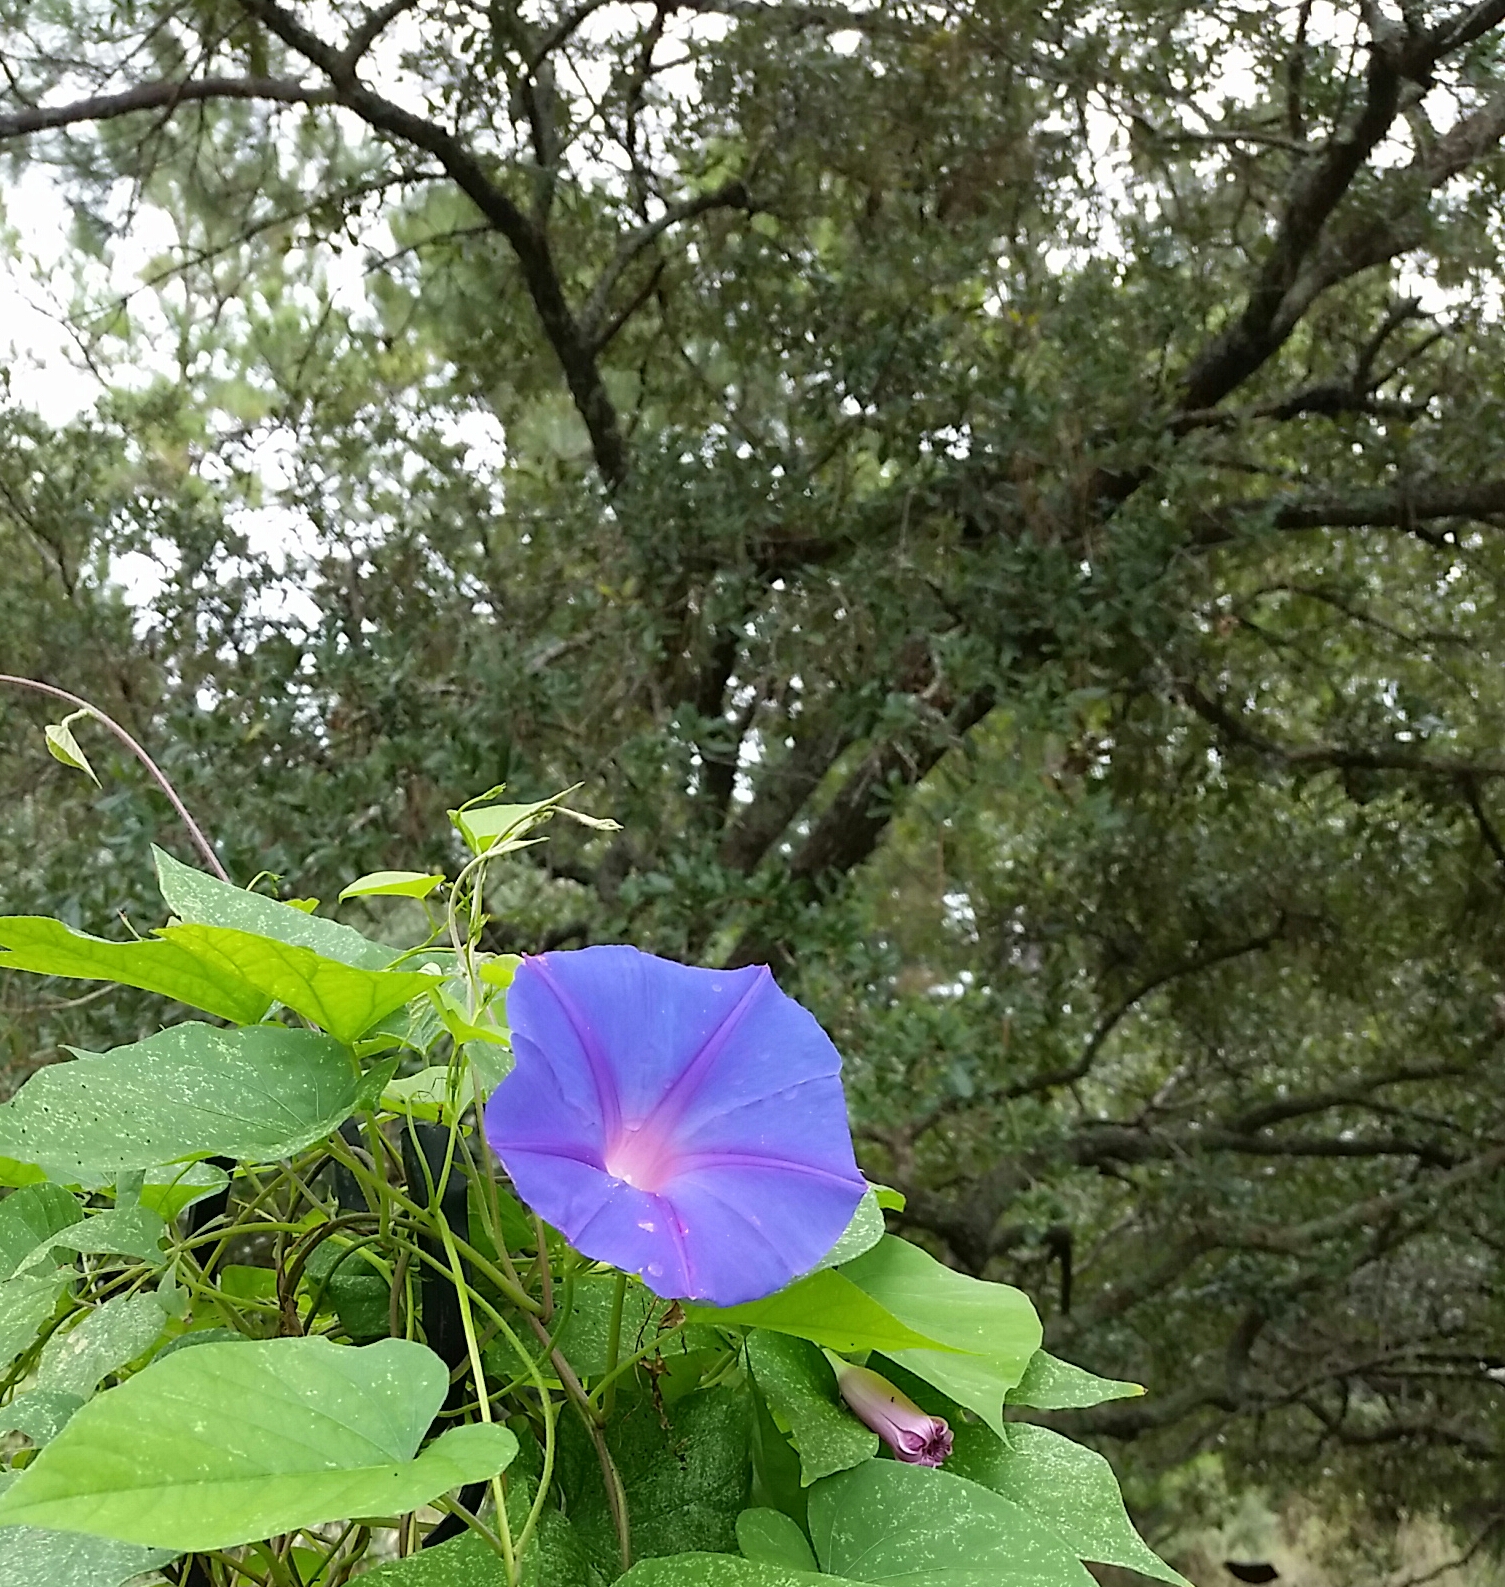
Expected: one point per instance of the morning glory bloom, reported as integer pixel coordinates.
(914, 1436)
(683, 1124)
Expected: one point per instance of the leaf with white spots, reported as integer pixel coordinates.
(1064, 1485)
(886, 1522)
(201, 899)
(193, 1090)
(320, 1432)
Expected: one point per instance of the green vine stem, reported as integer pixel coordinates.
(204, 846)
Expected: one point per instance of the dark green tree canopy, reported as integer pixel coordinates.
(1003, 502)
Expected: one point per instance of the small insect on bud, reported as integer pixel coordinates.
(914, 1436)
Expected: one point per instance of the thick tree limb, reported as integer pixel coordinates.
(1054, 1080)
(1330, 400)
(1109, 1145)
(1236, 353)
(1409, 507)
(160, 96)
(1237, 730)
(1284, 287)
(1282, 1109)
(529, 243)
(848, 830)
(782, 791)
(1396, 220)
(372, 27)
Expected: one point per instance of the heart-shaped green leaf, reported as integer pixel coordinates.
(828, 1309)
(994, 1325)
(31, 1556)
(28, 1217)
(204, 900)
(26, 1302)
(1065, 1486)
(769, 1537)
(864, 1232)
(394, 884)
(62, 746)
(190, 1091)
(106, 1338)
(123, 1231)
(320, 1432)
(344, 999)
(800, 1389)
(47, 947)
(889, 1522)
(1049, 1384)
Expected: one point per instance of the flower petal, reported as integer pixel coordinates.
(544, 1103)
(633, 1021)
(684, 1124)
(754, 1227)
(605, 1218)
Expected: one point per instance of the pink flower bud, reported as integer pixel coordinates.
(915, 1437)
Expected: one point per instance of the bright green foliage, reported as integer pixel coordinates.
(498, 827)
(716, 1570)
(130, 1231)
(198, 899)
(35, 1557)
(48, 947)
(1052, 1385)
(462, 1562)
(800, 1389)
(254, 1094)
(29, 1217)
(1063, 1485)
(769, 1537)
(990, 1331)
(26, 1303)
(889, 1522)
(826, 1308)
(181, 1391)
(321, 1433)
(1001, 500)
(62, 746)
(341, 998)
(40, 1414)
(684, 1474)
(862, 1234)
(74, 1361)
(171, 1189)
(393, 884)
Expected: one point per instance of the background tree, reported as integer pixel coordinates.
(1001, 501)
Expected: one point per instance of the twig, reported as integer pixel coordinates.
(200, 841)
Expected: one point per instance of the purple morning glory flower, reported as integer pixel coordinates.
(685, 1125)
(915, 1437)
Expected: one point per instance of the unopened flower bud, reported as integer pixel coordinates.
(914, 1436)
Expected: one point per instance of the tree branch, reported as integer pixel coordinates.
(730, 195)
(528, 242)
(782, 791)
(1400, 758)
(160, 96)
(1236, 353)
(1053, 1080)
(1285, 286)
(849, 829)
(1406, 507)
(374, 25)
(1285, 1108)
